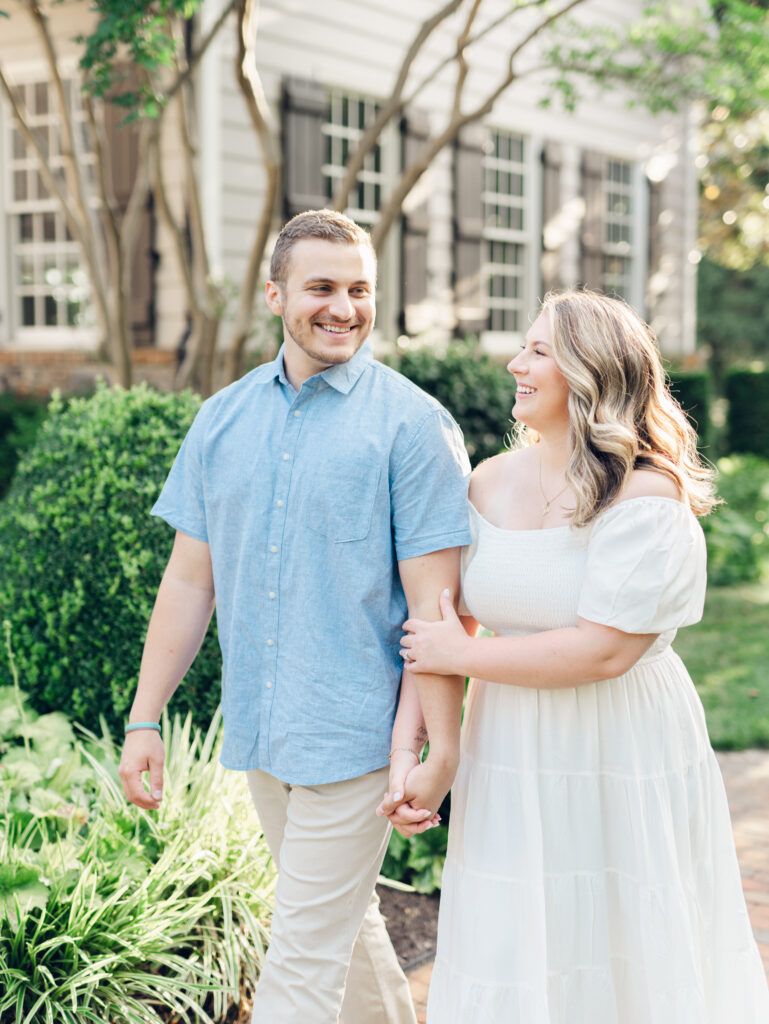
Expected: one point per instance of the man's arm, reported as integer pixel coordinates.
(440, 697)
(183, 608)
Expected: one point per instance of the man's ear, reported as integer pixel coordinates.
(273, 298)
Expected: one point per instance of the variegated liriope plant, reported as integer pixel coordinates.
(112, 914)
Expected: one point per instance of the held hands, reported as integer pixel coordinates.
(143, 751)
(436, 647)
(424, 786)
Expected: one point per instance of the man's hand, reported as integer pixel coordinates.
(425, 787)
(406, 818)
(143, 751)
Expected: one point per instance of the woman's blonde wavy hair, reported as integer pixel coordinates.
(622, 415)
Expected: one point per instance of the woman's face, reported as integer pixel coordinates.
(542, 394)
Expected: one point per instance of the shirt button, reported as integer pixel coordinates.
(286, 456)
(280, 503)
(270, 643)
(272, 595)
(273, 548)
(268, 684)
(297, 412)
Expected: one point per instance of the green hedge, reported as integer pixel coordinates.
(477, 391)
(694, 392)
(20, 418)
(83, 558)
(737, 532)
(747, 392)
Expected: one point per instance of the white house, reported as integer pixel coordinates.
(527, 199)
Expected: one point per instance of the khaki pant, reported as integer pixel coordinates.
(328, 845)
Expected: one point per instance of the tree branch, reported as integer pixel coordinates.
(414, 172)
(470, 42)
(391, 108)
(261, 118)
(69, 146)
(195, 59)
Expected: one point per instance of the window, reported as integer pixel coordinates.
(347, 120)
(505, 196)
(617, 266)
(50, 286)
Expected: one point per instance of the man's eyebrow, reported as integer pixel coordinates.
(331, 280)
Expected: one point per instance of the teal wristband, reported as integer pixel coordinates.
(142, 725)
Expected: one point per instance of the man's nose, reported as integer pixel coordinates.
(341, 306)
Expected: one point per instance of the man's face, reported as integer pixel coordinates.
(326, 303)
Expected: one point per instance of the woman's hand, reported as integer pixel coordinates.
(436, 647)
(407, 818)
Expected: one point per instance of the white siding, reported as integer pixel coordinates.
(357, 47)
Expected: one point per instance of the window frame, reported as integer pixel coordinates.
(527, 236)
(58, 251)
(389, 171)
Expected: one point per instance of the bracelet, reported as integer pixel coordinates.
(410, 750)
(142, 725)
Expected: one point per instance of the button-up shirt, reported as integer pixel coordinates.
(308, 500)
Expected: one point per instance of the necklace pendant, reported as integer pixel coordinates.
(546, 508)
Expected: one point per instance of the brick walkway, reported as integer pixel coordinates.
(746, 775)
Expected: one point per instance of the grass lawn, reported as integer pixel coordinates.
(727, 655)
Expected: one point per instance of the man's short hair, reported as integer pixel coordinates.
(325, 224)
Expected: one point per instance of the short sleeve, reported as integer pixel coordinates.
(428, 489)
(182, 503)
(646, 567)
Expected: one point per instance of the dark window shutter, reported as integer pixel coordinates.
(305, 111)
(468, 230)
(591, 261)
(122, 141)
(415, 130)
(551, 207)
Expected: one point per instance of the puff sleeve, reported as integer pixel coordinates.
(646, 567)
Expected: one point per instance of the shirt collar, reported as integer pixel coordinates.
(342, 376)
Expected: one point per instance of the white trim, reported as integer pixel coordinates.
(209, 82)
(639, 269)
(534, 171)
(5, 234)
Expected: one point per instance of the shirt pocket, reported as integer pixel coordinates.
(342, 505)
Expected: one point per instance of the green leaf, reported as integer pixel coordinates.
(20, 890)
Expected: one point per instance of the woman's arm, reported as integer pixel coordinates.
(551, 659)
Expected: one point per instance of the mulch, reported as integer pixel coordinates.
(412, 923)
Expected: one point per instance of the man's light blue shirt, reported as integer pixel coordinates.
(308, 500)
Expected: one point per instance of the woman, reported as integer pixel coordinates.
(591, 876)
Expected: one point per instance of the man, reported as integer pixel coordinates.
(317, 498)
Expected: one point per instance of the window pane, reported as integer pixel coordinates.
(26, 270)
(28, 311)
(41, 97)
(49, 227)
(51, 319)
(25, 227)
(18, 148)
(20, 192)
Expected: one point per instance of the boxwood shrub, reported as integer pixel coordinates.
(82, 558)
(20, 418)
(748, 421)
(693, 391)
(476, 390)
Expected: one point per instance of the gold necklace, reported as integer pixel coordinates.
(548, 502)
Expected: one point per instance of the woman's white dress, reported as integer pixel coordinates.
(591, 875)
